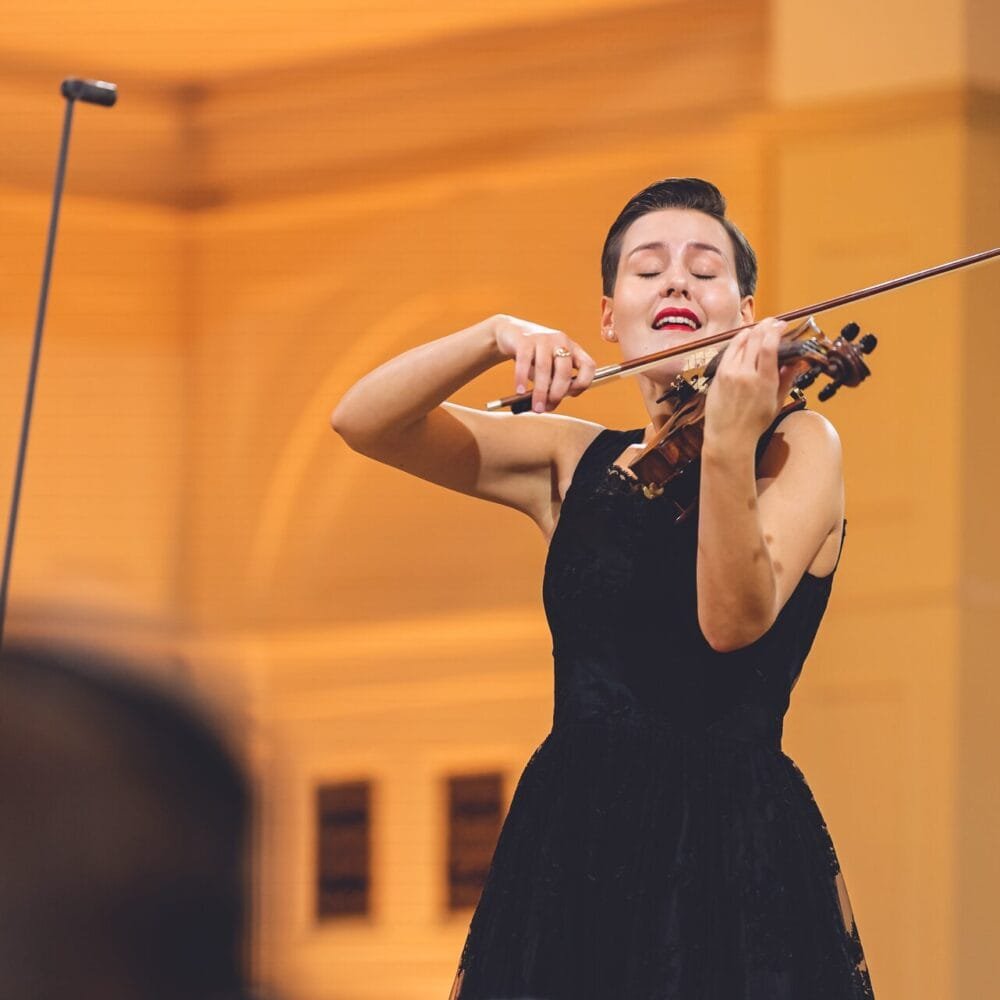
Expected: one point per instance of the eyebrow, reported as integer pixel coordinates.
(657, 245)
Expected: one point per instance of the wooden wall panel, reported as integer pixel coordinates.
(97, 543)
(508, 96)
(192, 40)
(888, 49)
(977, 820)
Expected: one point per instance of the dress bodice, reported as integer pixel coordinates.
(620, 597)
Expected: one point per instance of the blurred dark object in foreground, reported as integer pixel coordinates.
(123, 838)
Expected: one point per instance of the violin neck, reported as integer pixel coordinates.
(794, 351)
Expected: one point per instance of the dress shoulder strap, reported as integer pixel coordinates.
(765, 439)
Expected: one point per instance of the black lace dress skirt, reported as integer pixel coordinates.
(681, 869)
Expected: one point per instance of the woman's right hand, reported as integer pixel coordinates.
(545, 357)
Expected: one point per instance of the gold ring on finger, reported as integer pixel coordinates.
(561, 352)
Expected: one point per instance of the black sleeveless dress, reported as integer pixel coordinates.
(659, 845)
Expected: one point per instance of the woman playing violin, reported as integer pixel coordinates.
(659, 843)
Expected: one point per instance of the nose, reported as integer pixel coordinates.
(675, 283)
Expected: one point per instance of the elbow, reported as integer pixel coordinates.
(727, 644)
(348, 433)
(731, 621)
(359, 434)
(721, 642)
(343, 424)
(338, 422)
(732, 635)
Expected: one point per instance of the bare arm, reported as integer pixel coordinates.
(756, 538)
(397, 414)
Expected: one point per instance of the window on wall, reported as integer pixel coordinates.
(475, 813)
(343, 819)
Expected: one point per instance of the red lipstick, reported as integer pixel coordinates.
(663, 317)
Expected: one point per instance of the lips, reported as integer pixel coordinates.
(677, 319)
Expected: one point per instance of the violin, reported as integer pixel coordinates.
(677, 444)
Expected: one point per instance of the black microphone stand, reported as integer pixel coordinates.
(91, 92)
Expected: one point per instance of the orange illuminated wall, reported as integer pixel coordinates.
(241, 243)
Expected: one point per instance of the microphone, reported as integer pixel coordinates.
(73, 89)
(89, 91)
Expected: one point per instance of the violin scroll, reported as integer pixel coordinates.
(841, 360)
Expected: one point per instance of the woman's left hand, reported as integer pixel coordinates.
(748, 387)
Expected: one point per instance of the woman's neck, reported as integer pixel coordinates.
(659, 413)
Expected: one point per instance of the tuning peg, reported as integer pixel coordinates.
(850, 331)
(829, 390)
(807, 378)
(868, 343)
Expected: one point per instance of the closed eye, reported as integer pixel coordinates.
(656, 274)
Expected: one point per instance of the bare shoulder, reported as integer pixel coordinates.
(810, 425)
(805, 439)
(573, 438)
(800, 487)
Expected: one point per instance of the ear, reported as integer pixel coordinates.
(608, 318)
(746, 308)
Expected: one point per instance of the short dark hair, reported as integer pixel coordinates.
(678, 192)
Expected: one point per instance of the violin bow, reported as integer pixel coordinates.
(697, 354)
